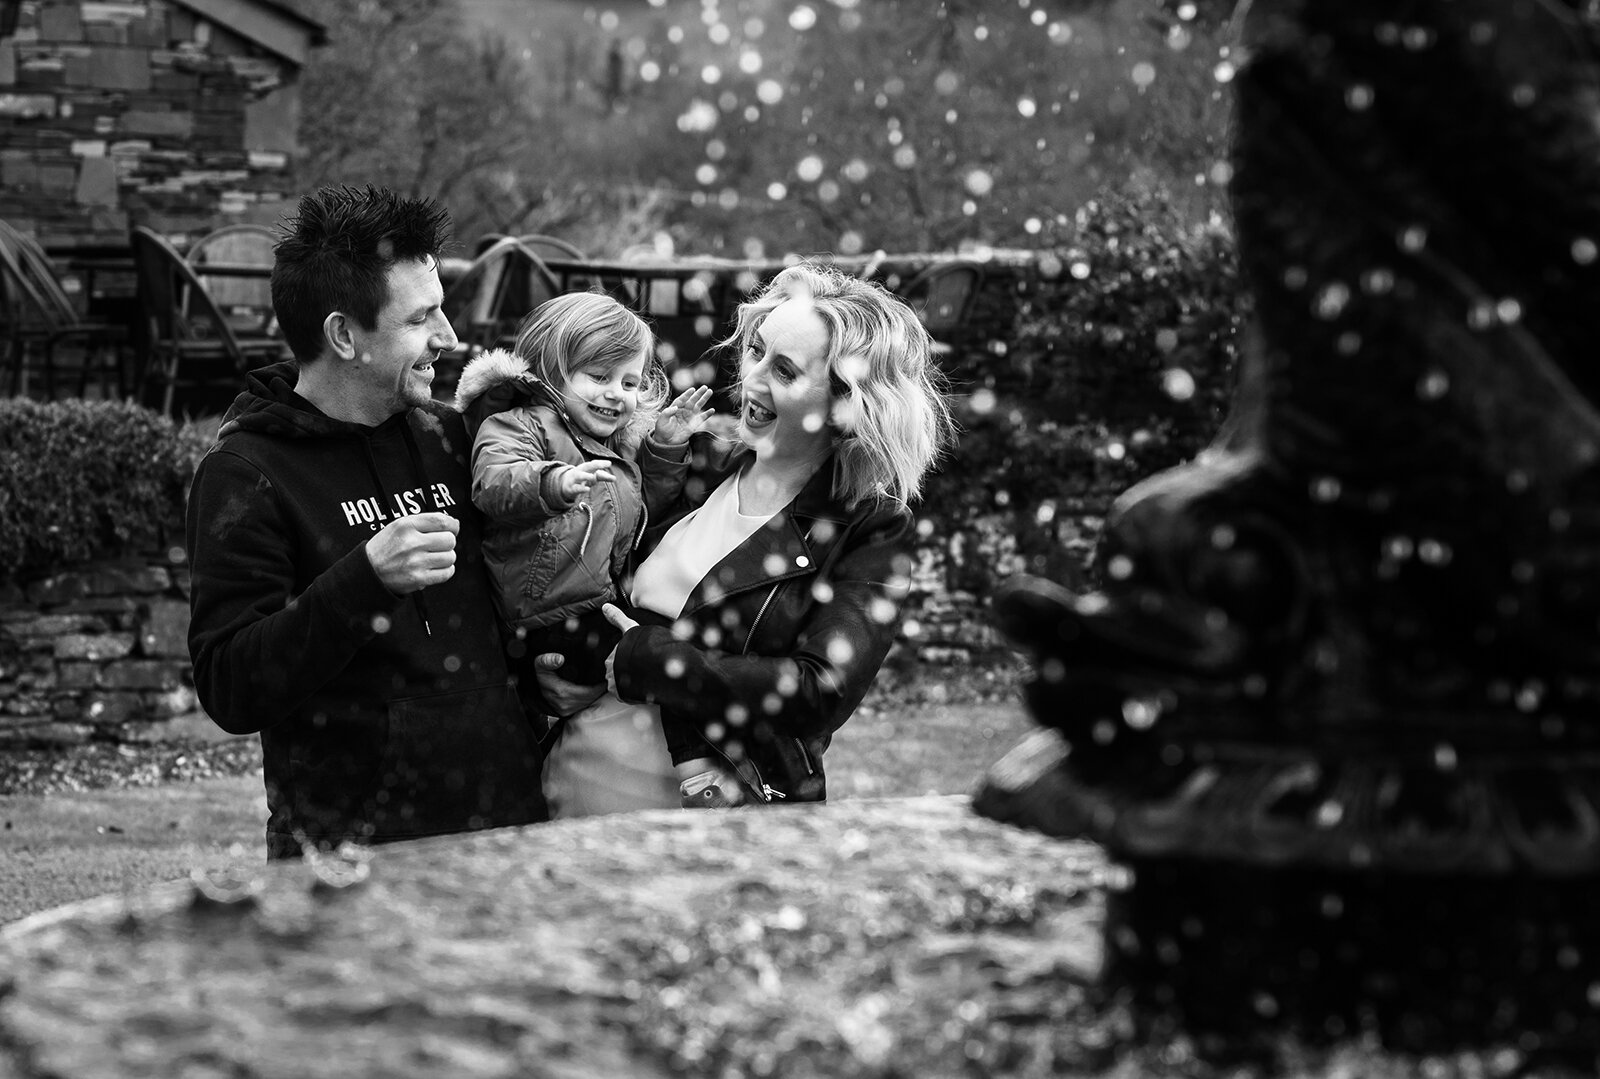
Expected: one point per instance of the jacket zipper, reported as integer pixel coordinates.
(768, 791)
(760, 615)
(766, 604)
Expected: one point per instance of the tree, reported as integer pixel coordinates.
(907, 124)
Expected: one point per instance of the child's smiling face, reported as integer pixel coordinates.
(601, 400)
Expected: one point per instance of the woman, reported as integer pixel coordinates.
(771, 591)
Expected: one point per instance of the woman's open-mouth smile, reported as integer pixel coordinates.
(757, 415)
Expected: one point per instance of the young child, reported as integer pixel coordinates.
(573, 448)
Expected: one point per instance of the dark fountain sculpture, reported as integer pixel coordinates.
(1336, 700)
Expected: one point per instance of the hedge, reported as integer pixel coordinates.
(1120, 363)
(89, 479)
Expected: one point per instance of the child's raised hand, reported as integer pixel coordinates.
(577, 479)
(687, 414)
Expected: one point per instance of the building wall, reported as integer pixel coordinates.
(116, 113)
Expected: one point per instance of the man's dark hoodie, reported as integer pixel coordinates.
(381, 716)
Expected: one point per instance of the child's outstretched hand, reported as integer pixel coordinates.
(577, 479)
(686, 415)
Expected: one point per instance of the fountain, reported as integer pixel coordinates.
(1335, 701)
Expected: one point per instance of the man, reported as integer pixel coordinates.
(340, 605)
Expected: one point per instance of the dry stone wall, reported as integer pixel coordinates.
(96, 652)
(138, 112)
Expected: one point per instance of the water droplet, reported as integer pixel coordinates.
(1413, 238)
(1377, 281)
(1295, 277)
(1481, 315)
(1119, 568)
(381, 623)
(1444, 757)
(1584, 251)
(1177, 383)
(675, 667)
(1359, 97)
(1509, 311)
(1331, 300)
(1223, 72)
(1141, 713)
(1523, 95)
(1329, 814)
(1434, 552)
(1398, 548)
(1433, 385)
(1079, 270)
(1417, 38)
(1325, 489)
(1529, 695)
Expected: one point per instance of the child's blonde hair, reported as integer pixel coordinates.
(590, 329)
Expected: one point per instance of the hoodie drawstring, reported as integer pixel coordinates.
(419, 473)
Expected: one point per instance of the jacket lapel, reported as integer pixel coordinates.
(782, 549)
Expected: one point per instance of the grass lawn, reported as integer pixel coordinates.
(62, 847)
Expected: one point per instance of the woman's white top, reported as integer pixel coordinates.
(666, 579)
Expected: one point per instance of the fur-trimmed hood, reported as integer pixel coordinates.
(499, 379)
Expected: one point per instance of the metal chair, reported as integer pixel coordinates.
(942, 296)
(188, 342)
(489, 300)
(247, 301)
(537, 242)
(40, 317)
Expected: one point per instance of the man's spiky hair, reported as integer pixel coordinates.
(336, 252)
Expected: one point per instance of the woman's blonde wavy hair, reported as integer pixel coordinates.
(890, 418)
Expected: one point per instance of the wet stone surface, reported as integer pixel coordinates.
(889, 937)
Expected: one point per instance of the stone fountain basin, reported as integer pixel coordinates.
(864, 937)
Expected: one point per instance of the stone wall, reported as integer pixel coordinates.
(96, 651)
(144, 112)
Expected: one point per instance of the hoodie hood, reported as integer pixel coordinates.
(499, 379)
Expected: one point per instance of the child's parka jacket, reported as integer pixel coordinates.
(550, 558)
